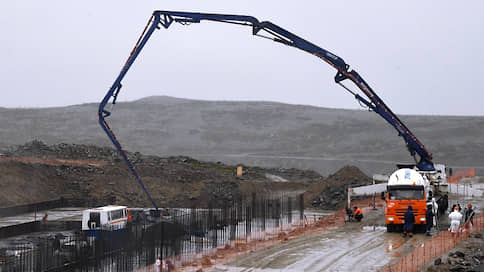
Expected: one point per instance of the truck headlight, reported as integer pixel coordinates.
(390, 218)
(422, 218)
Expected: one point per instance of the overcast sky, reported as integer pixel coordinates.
(421, 57)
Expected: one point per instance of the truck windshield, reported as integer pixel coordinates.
(406, 194)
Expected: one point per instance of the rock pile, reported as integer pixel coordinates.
(467, 256)
(39, 149)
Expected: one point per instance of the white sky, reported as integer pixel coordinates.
(421, 57)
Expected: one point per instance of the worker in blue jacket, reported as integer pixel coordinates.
(409, 218)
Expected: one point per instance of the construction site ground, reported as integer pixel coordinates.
(336, 245)
(36, 172)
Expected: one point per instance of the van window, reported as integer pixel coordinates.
(117, 214)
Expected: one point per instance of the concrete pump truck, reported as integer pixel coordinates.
(423, 159)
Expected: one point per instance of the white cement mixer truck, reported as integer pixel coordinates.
(406, 187)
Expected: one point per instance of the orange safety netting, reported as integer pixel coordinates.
(461, 173)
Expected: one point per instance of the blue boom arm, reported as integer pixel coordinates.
(277, 34)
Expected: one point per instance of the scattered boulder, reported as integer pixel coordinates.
(457, 268)
(466, 256)
(459, 254)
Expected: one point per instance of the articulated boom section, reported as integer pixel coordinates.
(277, 34)
(283, 36)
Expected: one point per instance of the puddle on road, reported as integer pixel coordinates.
(374, 228)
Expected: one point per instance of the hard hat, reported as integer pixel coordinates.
(469, 206)
(456, 207)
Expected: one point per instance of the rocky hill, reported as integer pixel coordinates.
(261, 134)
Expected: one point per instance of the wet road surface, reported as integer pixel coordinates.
(364, 246)
(327, 252)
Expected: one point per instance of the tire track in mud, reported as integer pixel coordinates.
(360, 251)
(334, 251)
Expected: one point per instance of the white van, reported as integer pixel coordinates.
(110, 217)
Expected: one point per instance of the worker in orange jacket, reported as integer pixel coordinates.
(358, 214)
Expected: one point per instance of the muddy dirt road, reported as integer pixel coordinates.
(334, 251)
(364, 246)
(354, 246)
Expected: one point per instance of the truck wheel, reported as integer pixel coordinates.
(389, 228)
(421, 228)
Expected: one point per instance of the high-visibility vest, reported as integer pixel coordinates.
(358, 211)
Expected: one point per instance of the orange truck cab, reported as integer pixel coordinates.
(405, 187)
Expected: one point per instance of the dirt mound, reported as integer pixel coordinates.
(36, 172)
(24, 183)
(90, 172)
(349, 173)
(330, 193)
